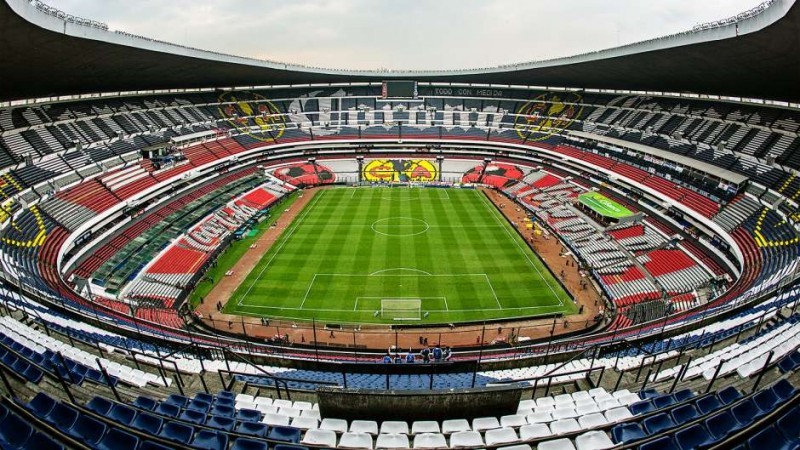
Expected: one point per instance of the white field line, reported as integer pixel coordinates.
(280, 247)
(494, 213)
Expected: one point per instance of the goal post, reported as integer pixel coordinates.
(401, 308)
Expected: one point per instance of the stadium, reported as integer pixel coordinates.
(202, 250)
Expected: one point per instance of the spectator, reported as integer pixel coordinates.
(410, 356)
(426, 355)
(447, 353)
(437, 353)
(387, 359)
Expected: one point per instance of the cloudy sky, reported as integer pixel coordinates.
(394, 34)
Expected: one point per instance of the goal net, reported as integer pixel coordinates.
(401, 308)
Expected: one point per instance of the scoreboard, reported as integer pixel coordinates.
(399, 89)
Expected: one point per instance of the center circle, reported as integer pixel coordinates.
(400, 226)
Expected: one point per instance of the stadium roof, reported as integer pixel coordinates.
(50, 54)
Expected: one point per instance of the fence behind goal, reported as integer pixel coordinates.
(401, 308)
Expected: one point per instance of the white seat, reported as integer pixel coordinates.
(534, 431)
(262, 401)
(620, 393)
(465, 439)
(563, 399)
(337, 425)
(455, 426)
(608, 404)
(302, 406)
(325, 438)
(564, 426)
(275, 419)
(540, 418)
(545, 401)
(392, 440)
(516, 447)
(564, 413)
(244, 398)
(582, 410)
(556, 444)
(597, 392)
(592, 420)
(618, 414)
(425, 426)
(580, 395)
(524, 411)
(364, 426)
(281, 403)
(394, 426)
(355, 440)
(313, 413)
(266, 409)
(514, 420)
(525, 404)
(289, 411)
(593, 440)
(541, 409)
(245, 405)
(485, 423)
(500, 436)
(628, 400)
(429, 440)
(305, 423)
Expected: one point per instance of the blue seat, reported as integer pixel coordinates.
(289, 447)
(150, 445)
(143, 402)
(664, 401)
(33, 374)
(746, 412)
(203, 397)
(683, 395)
(221, 423)
(223, 410)
(147, 423)
(771, 439)
(284, 434)
(642, 407)
(176, 431)
(684, 413)
(87, 430)
(99, 405)
(248, 415)
(167, 409)
(657, 423)
(41, 405)
(648, 394)
(199, 405)
(117, 439)
(41, 441)
(225, 395)
(729, 395)
(14, 432)
(248, 444)
(693, 437)
(722, 424)
(784, 390)
(224, 401)
(627, 432)
(210, 440)
(788, 424)
(177, 400)
(708, 404)
(62, 417)
(662, 443)
(122, 414)
(191, 416)
(252, 429)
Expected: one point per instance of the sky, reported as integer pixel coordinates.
(394, 34)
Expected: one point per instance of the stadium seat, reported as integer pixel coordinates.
(325, 438)
(465, 439)
(252, 429)
(87, 429)
(176, 431)
(147, 423)
(284, 434)
(695, 436)
(593, 440)
(248, 444)
(356, 440)
(116, 439)
(391, 440)
(210, 440)
(429, 440)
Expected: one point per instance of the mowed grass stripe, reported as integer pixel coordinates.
(451, 234)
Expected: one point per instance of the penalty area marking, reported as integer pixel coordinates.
(406, 269)
(444, 299)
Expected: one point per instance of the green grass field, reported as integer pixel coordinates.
(450, 250)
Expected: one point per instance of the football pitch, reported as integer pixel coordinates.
(399, 255)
